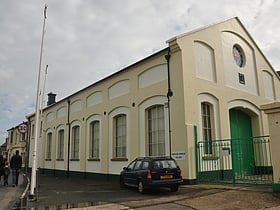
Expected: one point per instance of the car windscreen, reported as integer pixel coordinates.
(159, 164)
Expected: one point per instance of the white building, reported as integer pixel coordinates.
(207, 84)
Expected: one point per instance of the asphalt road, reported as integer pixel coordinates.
(61, 192)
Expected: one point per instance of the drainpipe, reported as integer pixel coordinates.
(68, 148)
(169, 95)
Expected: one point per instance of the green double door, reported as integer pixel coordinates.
(241, 143)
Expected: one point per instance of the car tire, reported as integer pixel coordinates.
(174, 188)
(141, 188)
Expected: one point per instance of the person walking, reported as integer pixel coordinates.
(2, 165)
(15, 163)
(6, 173)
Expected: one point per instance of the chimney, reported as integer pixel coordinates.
(51, 98)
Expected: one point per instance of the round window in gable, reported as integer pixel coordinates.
(238, 55)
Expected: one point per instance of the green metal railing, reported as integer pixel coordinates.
(243, 160)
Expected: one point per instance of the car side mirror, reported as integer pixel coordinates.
(125, 168)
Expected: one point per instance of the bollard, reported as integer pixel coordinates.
(23, 199)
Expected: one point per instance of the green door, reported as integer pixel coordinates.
(241, 143)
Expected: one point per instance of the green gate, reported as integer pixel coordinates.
(243, 150)
(226, 165)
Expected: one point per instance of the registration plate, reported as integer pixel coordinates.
(166, 177)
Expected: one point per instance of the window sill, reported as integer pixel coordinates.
(48, 159)
(74, 159)
(59, 159)
(94, 159)
(119, 159)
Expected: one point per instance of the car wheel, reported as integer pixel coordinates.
(174, 188)
(141, 187)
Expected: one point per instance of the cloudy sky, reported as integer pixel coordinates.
(87, 40)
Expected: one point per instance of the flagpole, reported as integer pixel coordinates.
(37, 116)
(43, 91)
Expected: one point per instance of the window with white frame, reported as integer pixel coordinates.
(155, 131)
(17, 137)
(94, 139)
(11, 137)
(207, 126)
(49, 146)
(75, 142)
(23, 137)
(119, 136)
(60, 144)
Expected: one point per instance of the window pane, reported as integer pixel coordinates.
(49, 146)
(75, 142)
(156, 131)
(145, 165)
(60, 145)
(206, 127)
(94, 139)
(120, 136)
(137, 165)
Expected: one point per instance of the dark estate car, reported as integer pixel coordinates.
(152, 172)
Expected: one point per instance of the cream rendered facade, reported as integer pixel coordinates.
(202, 69)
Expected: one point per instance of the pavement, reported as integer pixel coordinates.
(91, 194)
(9, 195)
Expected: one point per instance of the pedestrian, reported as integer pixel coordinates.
(15, 163)
(2, 165)
(6, 173)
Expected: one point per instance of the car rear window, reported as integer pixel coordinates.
(158, 164)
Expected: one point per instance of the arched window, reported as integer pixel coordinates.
(49, 146)
(60, 144)
(94, 139)
(207, 126)
(119, 136)
(155, 131)
(75, 142)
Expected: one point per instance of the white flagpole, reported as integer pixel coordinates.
(43, 91)
(37, 116)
